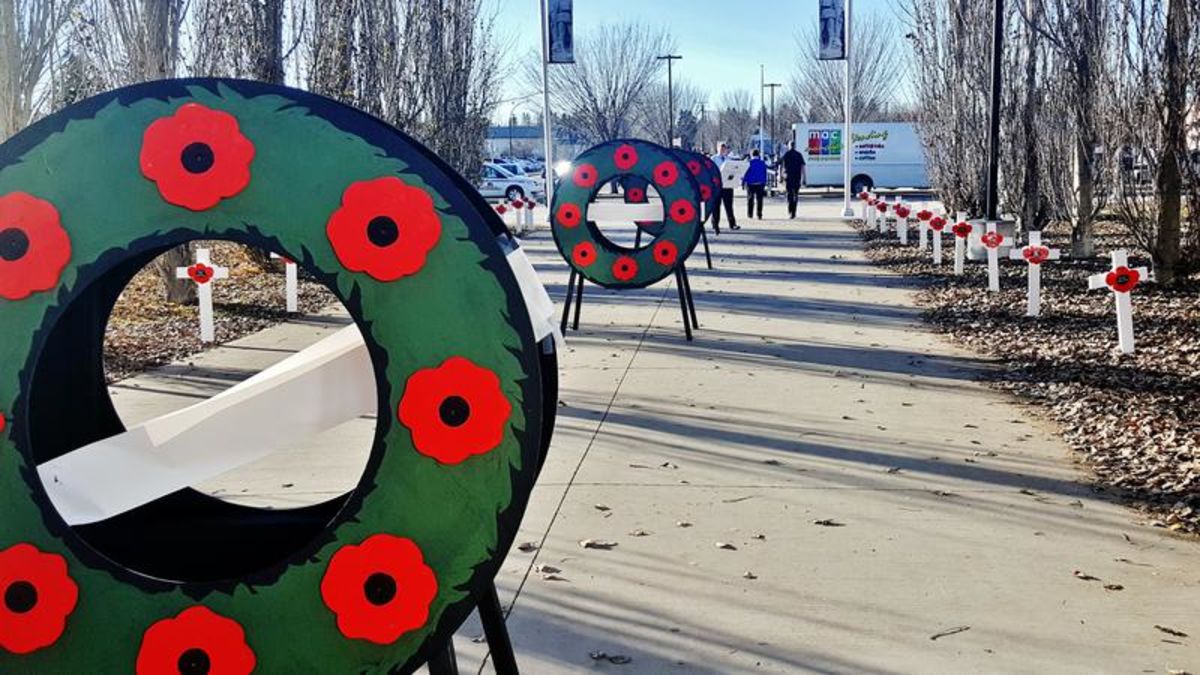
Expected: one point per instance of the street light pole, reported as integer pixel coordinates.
(773, 86)
(847, 132)
(670, 58)
(512, 123)
(547, 117)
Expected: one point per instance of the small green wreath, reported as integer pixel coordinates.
(92, 194)
(594, 255)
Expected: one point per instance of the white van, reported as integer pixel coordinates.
(886, 155)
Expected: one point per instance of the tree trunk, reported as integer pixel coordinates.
(1031, 186)
(1082, 241)
(1169, 181)
(10, 69)
(268, 65)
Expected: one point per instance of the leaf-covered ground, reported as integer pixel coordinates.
(144, 330)
(1135, 420)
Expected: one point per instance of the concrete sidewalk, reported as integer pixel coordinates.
(812, 394)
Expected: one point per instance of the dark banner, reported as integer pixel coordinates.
(833, 30)
(562, 32)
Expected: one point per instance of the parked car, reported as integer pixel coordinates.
(884, 155)
(499, 182)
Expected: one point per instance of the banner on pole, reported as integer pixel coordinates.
(559, 19)
(833, 31)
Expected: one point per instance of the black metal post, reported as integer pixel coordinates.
(578, 301)
(567, 301)
(993, 170)
(491, 615)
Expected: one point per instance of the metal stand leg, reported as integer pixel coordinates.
(444, 662)
(637, 238)
(578, 301)
(683, 306)
(707, 255)
(687, 288)
(567, 300)
(492, 617)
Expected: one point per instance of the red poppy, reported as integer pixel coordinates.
(380, 589)
(666, 174)
(903, 211)
(454, 411)
(3, 423)
(625, 157)
(882, 207)
(585, 176)
(530, 205)
(197, 640)
(584, 253)
(694, 167)
(665, 253)
(501, 209)
(924, 215)
(518, 204)
(705, 193)
(568, 215)
(938, 223)
(992, 239)
(864, 195)
(39, 595)
(384, 228)
(200, 273)
(635, 195)
(1036, 255)
(625, 268)
(196, 157)
(34, 247)
(683, 211)
(962, 230)
(716, 181)
(1123, 279)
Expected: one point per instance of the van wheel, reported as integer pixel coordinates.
(514, 193)
(860, 183)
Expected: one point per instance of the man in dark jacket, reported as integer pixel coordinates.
(794, 170)
(755, 181)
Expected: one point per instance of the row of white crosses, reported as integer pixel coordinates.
(522, 210)
(203, 273)
(1120, 279)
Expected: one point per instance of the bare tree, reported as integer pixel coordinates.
(652, 118)
(950, 61)
(28, 29)
(818, 88)
(615, 66)
(737, 120)
(239, 38)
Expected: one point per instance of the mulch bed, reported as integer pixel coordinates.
(1135, 420)
(144, 330)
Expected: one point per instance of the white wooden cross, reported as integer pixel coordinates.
(962, 230)
(881, 208)
(902, 212)
(1034, 254)
(865, 198)
(292, 282)
(937, 225)
(203, 272)
(992, 240)
(1121, 280)
(924, 215)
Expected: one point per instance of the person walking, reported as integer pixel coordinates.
(726, 194)
(796, 175)
(755, 181)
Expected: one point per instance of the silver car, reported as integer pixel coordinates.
(498, 182)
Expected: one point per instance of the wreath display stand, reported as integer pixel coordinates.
(674, 226)
(110, 560)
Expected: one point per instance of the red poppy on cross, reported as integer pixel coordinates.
(203, 272)
(1121, 279)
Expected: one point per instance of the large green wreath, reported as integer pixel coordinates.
(92, 194)
(597, 257)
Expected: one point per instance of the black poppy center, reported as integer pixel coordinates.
(379, 588)
(1122, 279)
(14, 244)
(194, 661)
(455, 410)
(382, 231)
(585, 253)
(20, 597)
(197, 158)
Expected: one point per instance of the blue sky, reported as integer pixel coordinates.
(722, 41)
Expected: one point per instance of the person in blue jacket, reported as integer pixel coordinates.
(755, 181)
